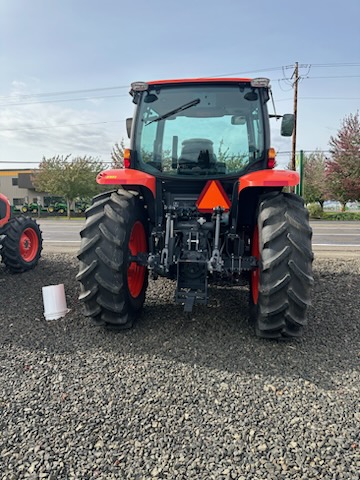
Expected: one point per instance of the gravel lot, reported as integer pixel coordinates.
(178, 397)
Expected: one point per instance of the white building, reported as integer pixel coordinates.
(17, 186)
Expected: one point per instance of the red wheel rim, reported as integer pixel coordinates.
(136, 272)
(29, 244)
(255, 274)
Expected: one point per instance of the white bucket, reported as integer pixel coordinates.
(54, 302)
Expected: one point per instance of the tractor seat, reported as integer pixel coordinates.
(197, 152)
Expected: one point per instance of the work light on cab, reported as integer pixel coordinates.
(260, 82)
(139, 86)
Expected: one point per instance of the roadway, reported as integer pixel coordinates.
(336, 238)
(329, 238)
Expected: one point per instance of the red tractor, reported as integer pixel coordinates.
(198, 200)
(20, 239)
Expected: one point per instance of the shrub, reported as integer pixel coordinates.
(341, 216)
(315, 210)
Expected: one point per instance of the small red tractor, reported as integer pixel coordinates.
(20, 239)
(199, 200)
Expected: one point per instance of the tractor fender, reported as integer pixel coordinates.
(136, 180)
(129, 177)
(5, 210)
(253, 184)
(269, 178)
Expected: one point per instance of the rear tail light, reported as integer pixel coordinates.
(271, 161)
(127, 158)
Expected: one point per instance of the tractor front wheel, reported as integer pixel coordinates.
(112, 286)
(21, 245)
(281, 285)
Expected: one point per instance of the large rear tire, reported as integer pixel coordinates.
(21, 245)
(280, 287)
(112, 287)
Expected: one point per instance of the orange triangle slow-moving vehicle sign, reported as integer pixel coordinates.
(212, 196)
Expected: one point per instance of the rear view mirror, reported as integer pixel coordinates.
(287, 125)
(128, 126)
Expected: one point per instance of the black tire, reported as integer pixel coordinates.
(280, 288)
(110, 295)
(21, 245)
(24, 209)
(51, 209)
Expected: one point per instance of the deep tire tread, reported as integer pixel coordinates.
(285, 266)
(113, 264)
(88, 244)
(86, 270)
(103, 259)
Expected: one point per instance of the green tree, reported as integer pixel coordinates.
(343, 169)
(233, 162)
(68, 178)
(315, 189)
(117, 155)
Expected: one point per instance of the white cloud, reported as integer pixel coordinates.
(18, 87)
(38, 128)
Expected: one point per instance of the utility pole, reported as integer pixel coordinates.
(295, 76)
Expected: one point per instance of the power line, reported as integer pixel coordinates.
(63, 92)
(335, 65)
(318, 98)
(61, 100)
(310, 77)
(271, 69)
(332, 76)
(329, 98)
(300, 65)
(97, 89)
(57, 126)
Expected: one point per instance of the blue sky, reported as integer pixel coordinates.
(64, 46)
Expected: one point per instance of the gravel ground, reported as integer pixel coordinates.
(178, 397)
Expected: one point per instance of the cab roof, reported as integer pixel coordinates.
(253, 82)
(200, 80)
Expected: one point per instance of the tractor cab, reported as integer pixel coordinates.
(200, 128)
